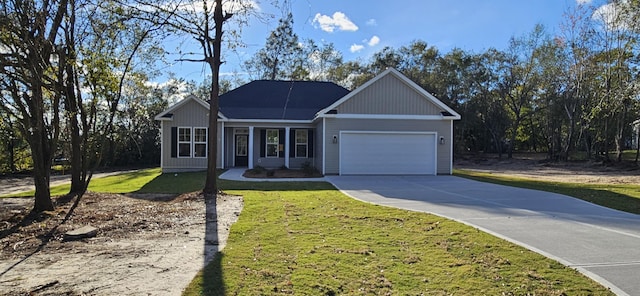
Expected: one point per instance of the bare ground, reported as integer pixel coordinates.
(155, 244)
(146, 244)
(536, 167)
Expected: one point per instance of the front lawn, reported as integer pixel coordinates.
(310, 239)
(128, 182)
(306, 238)
(623, 197)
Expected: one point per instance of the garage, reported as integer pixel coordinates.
(387, 153)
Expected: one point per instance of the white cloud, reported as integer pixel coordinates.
(372, 22)
(582, 2)
(356, 47)
(196, 7)
(338, 21)
(612, 16)
(374, 41)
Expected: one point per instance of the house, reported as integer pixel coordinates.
(387, 126)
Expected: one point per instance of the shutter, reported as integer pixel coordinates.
(310, 143)
(292, 143)
(281, 142)
(263, 142)
(174, 142)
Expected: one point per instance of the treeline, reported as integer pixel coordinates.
(576, 90)
(75, 82)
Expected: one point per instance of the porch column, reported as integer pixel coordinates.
(286, 146)
(250, 164)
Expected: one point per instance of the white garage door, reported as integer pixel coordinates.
(387, 153)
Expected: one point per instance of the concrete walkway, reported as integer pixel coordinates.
(603, 244)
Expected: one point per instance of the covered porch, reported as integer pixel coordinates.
(268, 145)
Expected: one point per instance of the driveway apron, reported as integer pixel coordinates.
(602, 243)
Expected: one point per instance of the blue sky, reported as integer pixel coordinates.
(359, 28)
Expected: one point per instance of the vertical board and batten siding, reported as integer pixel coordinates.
(389, 95)
(191, 114)
(333, 126)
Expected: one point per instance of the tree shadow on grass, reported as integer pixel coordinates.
(211, 281)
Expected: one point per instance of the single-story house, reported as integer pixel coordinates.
(387, 126)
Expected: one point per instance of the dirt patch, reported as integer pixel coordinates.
(146, 244)
(536, 167)
(280, 173)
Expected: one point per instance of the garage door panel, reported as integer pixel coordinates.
(375, 153)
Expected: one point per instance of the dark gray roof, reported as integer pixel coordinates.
(290, 100)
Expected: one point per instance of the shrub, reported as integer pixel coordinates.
(308, 168)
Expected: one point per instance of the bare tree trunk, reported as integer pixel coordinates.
(40, 152)
(213, 58)
(512, 140)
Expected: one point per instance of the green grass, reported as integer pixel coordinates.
(318, 241)
(623, 197)
(129, 182)
(306, 238)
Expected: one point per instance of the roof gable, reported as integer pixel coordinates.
(168, 114)
(391, 93)
(279, 100)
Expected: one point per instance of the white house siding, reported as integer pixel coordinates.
(333, 127)
(192, 114)
(389, 95)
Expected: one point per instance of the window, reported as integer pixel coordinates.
(184, 142)
(272, 143)
(199, 142)
(302, 143)
(192, 142)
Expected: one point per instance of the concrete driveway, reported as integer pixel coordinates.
(602, 243)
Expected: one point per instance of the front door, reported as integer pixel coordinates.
(242, 147)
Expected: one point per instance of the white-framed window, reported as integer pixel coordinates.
(272, 143)
(184, 142)
(302, 143)
(200, 142)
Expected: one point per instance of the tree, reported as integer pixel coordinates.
(30, 33)
(616, 40)
(136, 140)
(319, 61)
(8, 136)
(101, 42)
(204, 24)
(520, 79)
(485, 99)
(282, 55)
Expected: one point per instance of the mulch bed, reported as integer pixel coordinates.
(280, 173)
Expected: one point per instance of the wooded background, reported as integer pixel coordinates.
(574, 92)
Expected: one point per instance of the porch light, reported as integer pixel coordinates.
(441, 140)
